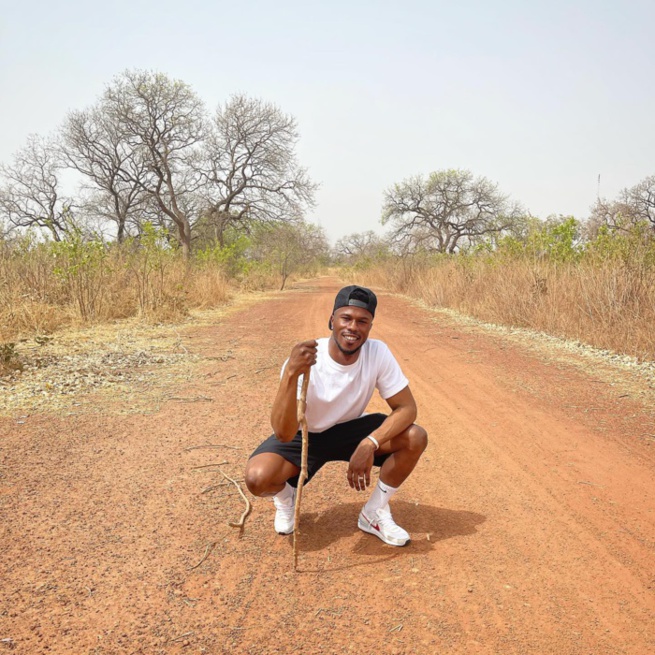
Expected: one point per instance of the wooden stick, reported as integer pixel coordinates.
(302, 420)
(241, 521)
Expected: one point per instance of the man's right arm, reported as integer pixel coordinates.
(284, 415)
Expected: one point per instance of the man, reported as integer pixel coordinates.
(345, 370)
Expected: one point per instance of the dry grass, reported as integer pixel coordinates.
(45, 287)
(73, 369)
(40, 294)
(609, 305)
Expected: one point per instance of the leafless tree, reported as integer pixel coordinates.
(359, 245)
(446, 210)
(642, 198)
(5, 230)
(161, 121)
(114, 173)
(250, 167)
(633, 206)
(30, 195)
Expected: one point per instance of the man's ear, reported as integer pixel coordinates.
(330, 322)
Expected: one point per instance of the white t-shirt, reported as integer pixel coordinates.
(338, 393)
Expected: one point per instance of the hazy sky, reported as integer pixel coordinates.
(540, 97)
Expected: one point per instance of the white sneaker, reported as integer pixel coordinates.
(284, 514)
(383, 526)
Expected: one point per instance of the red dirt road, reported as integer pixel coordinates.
(532, 512)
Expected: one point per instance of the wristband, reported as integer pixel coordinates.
(374, 440)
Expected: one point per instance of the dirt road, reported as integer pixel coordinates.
(532, 512)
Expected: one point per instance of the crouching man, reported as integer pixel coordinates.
(346, 368)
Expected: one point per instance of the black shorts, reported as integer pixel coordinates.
(336, 444)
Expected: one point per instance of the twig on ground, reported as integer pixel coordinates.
(210, 546)
(186, 634)
(206, 490)
(212, 445)
(192, 399)
(242, 520)
(216, 486)
(204, 466)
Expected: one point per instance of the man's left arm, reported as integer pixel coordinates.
(403, 414)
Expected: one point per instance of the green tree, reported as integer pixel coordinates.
(290, 247)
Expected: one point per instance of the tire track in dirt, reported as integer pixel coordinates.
(532, 517)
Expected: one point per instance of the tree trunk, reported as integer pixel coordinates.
(183, 234)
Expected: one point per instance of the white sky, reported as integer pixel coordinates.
(541, 97)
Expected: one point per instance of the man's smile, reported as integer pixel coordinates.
(350, 338)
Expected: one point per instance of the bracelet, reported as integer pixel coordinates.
(374, 440)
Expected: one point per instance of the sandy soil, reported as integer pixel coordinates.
(532, 512)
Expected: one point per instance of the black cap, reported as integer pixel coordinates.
(354, 296)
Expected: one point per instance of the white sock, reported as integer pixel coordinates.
(286, 494)
(379, 498)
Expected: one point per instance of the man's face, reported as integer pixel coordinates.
(350, 328)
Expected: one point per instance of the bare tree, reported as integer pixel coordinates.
(250, 167)
(161, 120)
(361, 245)
(642, 198)
(446, 210)
(115, 173)
(30, 195)
(633, 205)
(5, 231)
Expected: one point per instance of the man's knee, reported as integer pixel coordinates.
(257, 479)
(417, 438)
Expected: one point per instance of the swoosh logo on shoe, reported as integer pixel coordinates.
(375, 527)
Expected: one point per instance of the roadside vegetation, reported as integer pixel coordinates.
(457, 243)
(146, 204)
(45, 285)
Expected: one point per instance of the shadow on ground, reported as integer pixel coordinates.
(318, 531)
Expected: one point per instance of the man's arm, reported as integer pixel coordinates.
(284, 415)
(403, 414)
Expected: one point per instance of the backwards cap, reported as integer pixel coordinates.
(354, 296)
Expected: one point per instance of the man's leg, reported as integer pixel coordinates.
(406, 449)
(267, 475)
(404, 452)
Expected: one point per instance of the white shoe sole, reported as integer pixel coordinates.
(365, 527)
(285, 533)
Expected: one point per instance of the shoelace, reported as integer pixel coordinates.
(386, 521)
(286, 510)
